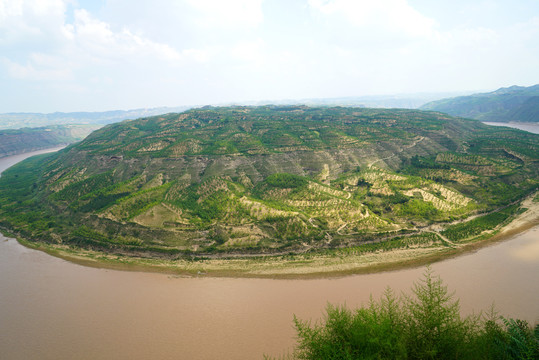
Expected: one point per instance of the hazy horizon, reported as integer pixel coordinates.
(366, 99)
(82, 55)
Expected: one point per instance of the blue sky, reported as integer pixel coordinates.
(69, 55)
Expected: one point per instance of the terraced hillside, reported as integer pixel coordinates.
(268, 180)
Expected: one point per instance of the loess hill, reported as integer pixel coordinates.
(262, 180)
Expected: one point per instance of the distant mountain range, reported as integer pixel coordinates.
(20, 120)
(400, 101)
(511, 104)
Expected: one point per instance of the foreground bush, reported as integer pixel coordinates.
(425, 325)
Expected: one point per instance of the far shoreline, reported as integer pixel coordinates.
(16, 158)
(37, 151)
(524, 126)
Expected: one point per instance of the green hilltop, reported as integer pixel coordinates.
(238, 181)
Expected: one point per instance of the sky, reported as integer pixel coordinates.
(97, 55)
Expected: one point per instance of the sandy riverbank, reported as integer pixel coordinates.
(525, 220)
(298, 266)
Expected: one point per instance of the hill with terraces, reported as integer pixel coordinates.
(245, 181)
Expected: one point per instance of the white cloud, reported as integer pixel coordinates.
(391, 15)
(28, 20)
(17, 8)
(129, 53)
(44, 47)
(249, 51)
(97, 39)
(39, 68)
(229, 13)
(526, 31)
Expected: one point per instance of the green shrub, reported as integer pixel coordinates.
(424, 325)
(478, 225)
(419, 209)
(286, 181)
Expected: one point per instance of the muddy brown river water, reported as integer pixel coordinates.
(54, 309)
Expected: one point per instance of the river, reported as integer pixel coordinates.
(54, 309)
(529, 127)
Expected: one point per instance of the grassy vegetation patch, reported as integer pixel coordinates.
(286, 181)
(418, 209)
(476, 226)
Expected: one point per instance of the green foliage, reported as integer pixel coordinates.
(20, 182)
(100, 202)
(424, 325)
(94, 183)
(346, 335)
(83, 235)
(290, 228)
(205, 208)
(221, 147)
(426, 163)
(286, 181)
(219, 234)
(497, 193)
(399, 242)
(371, 332)
(138, 202)
(434, 328)
(478, 225)
(419, 209)
(398, 198)
(519, 340)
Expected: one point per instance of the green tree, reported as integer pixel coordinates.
(434, 327)
(373, 332)
(520, 341)
(424, 325)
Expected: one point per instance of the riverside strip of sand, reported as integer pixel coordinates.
(525, 220)
(337, 263)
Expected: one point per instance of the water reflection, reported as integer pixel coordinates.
(529, 127)
(527, 252)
